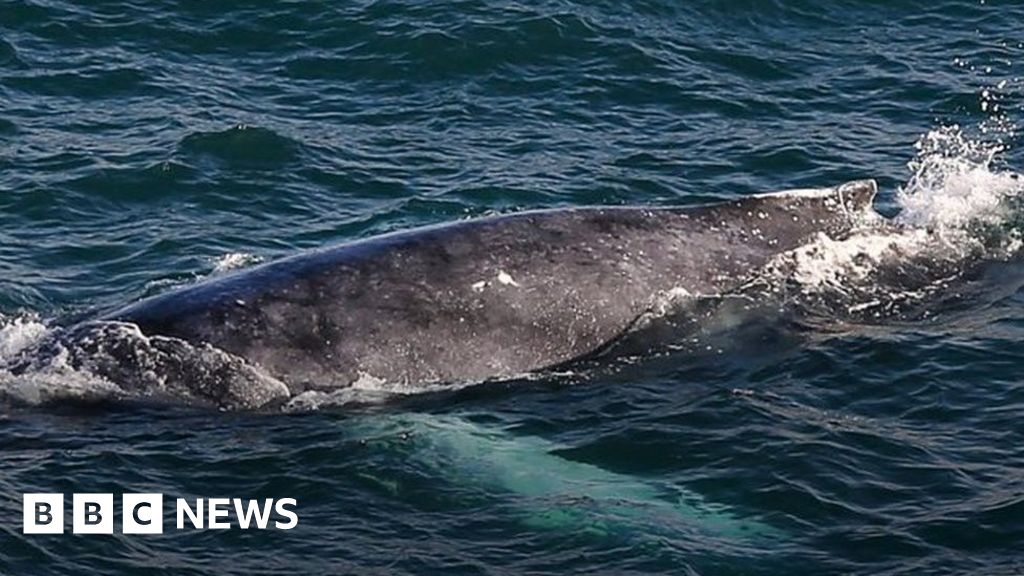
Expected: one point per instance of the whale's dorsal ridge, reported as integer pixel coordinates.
(857, 195)
(854, 197)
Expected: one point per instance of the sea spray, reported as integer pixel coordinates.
(957, 211)
(18, 333)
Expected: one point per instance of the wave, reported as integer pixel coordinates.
(95, 83)
(9, 57)
(242, 146)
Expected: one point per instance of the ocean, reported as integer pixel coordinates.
(873, 427)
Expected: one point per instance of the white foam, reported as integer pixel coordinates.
(313, 400)
(234, 261)
(836, 264)
(955, 206)
(17, 334)
(953, 183)
(56, 380)
(667, 303)
(57, 385)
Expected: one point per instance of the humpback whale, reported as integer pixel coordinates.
(473, 300)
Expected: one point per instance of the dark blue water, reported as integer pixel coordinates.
(145, 146)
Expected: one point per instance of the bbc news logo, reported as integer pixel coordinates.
(144, 514)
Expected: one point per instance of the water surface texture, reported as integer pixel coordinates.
(872, 428)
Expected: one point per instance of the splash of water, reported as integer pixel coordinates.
(954, 185)
(55, 381)
(18, 333)
(234, 261)
(956, 210)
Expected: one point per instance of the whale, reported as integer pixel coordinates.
(480, 299)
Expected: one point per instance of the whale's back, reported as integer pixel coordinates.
(486, 298)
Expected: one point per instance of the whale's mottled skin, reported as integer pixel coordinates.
(473, 300)
(490, 297)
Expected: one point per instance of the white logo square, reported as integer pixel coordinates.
(92, 514)
(43, 514)
(142, 513)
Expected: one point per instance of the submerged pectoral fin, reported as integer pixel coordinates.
(551, 492)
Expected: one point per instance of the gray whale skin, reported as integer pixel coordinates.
(472, 300)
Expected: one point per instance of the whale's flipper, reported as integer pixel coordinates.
(555, 493)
